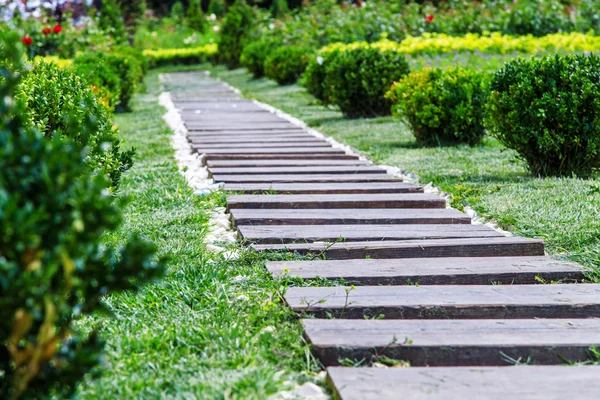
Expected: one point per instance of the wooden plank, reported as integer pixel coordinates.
(351, 233)
(297, 140)
(279, 156)
(251, 145)
(248, 133)
(483, 383)
(242, 128)
(275, 150)
(299, 178)
(325, 201)
(349, 216)
(437, 343)
(434, 271)
(482, 247)
(323, 188)
(283, 163)
(298, 170)
(449, 301)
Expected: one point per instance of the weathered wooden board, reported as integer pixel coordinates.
(305, 151)
(280, 156)
(297, 170)
(207, 147)
(449, 301)
(434, 271)
(248, 133)
(242, 127)
(323, 188)
(349, 216)
(349, 233)
(437, 343)
(466, 383)
(482, 247)
(297, 140)
(282, 163)
(299, 178)
(324, 201)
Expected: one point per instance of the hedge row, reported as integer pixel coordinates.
(162, 57)
(59, 160)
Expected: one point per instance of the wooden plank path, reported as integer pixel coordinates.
(459, 301)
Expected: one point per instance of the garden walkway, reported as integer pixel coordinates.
(429, 287)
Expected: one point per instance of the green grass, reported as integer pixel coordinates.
(212, 329)
(562, 211)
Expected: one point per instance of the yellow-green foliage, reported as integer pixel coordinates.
(442, 107)
(59, 62)
(181, 56)
(431, 43)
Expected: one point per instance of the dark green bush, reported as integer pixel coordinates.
(442, 107)
(286, 64)
(118, 73)
(216, 7)
(254, 55)
(55, 100)
(357, 79)
(110, 21)
(54, 268)
(194, 17)
(99, 73)
(548, 110)
(314, 77)
(237, 30)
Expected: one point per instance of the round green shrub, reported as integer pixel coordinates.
(548, 110)
(237, 30)
(286, 64)
(116, 72)
(254, 55)
(357, 79)
(59, 103)
(442, 107)
(99, 73)
(314, 77)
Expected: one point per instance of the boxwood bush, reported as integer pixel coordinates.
(237, 30)
(117, 72)
(54, 268)
(286, 64)
(59, 102)
(357, 79)
(548, 110)
(254, 55)
(442, 107)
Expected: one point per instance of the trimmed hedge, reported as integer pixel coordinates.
(254, 55)
(55, 267)
(286, 64)
(357, 79)
(237, 30)
(59, 103)
(196, 55)
(442, 107)
(548, 110)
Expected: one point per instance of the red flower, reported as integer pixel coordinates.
(57, 29)
(429, 19)
(46, 31)
(27, 41)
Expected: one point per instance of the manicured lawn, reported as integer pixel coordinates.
(211, 328)
(564, 212)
